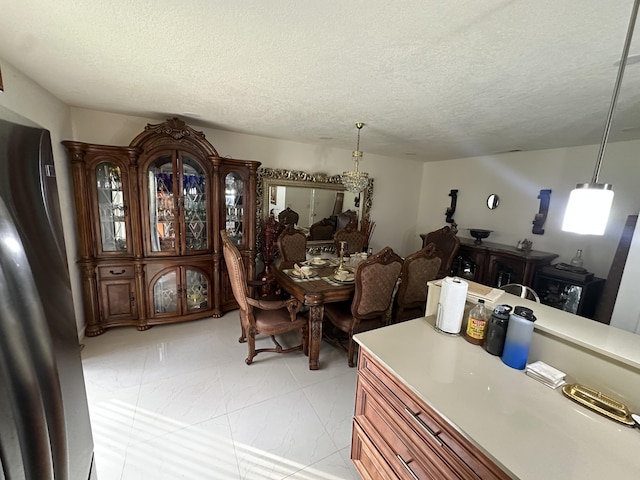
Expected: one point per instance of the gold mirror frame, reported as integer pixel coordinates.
(268, 177)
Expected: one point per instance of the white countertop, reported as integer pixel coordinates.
(597, 337)
(530, 430)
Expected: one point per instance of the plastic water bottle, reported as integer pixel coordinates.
(518, 341)
(497, 330)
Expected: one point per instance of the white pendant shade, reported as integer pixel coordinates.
(588, 209)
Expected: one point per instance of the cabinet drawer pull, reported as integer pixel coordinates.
(406, 465)
(424, 426)
(117, 273)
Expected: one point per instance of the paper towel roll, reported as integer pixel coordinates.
(453, 297)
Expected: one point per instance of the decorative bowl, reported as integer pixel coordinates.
(479, 234)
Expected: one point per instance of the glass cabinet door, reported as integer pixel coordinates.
(194, 201)
(197, 289)
(180, 290)
(111, 208)
(233, 195)
(165, 293)
(162, 204)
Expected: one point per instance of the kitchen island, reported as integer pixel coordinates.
(526, 429)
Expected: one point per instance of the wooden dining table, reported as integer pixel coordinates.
(314, 292)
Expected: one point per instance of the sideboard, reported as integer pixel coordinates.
(496, 264)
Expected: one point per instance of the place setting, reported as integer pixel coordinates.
(303, 272)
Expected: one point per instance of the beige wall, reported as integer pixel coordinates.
(396, 182)
(518, 178)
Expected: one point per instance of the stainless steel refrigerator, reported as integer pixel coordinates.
(44, 420)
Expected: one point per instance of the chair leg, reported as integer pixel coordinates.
(251, 344)
(278, 346)
(243, 333)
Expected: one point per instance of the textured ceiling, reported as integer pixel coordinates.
(434, 79)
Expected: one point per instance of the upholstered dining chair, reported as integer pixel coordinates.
(292, 245)
(348, 218)
(375, 281)
(288, 217)
(447, 243)
(417, 269)
(355, 239)
(258, 316)
(322, 230)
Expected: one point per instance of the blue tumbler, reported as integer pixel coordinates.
(519, 334)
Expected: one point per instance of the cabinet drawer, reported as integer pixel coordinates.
(407, 454)
(366, 458)
(116, 271)
(425, 427)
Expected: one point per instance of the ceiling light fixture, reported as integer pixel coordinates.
(590, 203)
(356, 181)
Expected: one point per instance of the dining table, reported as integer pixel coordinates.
(314, 291)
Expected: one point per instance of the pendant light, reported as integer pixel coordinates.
(590, 203)
(356, 181)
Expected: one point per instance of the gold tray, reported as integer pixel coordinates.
(599, 402)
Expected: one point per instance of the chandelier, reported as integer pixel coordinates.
(356, 181)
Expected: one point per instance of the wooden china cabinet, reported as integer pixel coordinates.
(149, 217)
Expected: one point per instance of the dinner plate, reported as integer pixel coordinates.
(317, 262)
(349, 279)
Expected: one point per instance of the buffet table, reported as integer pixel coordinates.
(526, 429)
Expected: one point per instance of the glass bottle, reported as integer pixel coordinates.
(577, 260)
(477, 324)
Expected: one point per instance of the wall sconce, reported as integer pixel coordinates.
(590, 203)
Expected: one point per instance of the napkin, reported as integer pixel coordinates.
(546, 374)
(299, 271)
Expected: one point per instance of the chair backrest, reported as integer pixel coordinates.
(322, 230)
(418, 268)
(348, 218)
(288, 217)
(447, 243)
(292, 245)
(521, 290)
(235, 268)
(355, 239)
(375, 281)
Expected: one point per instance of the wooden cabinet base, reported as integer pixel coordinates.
(397, 436)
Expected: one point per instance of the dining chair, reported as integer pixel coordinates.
(356, 240)
(292, 245)
(521, 291)
(322, 230)
(375, 281)
(259, 316)
(288, 217)
(348, 218)
(417, 269)
(447, 243)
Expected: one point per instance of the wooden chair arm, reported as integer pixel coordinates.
(290, 304)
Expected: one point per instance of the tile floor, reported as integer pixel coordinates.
(178, 402)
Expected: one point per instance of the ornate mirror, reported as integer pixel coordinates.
(314, 197)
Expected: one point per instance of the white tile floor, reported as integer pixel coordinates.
(178, 402)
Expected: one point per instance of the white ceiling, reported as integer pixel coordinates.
(436, 79)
